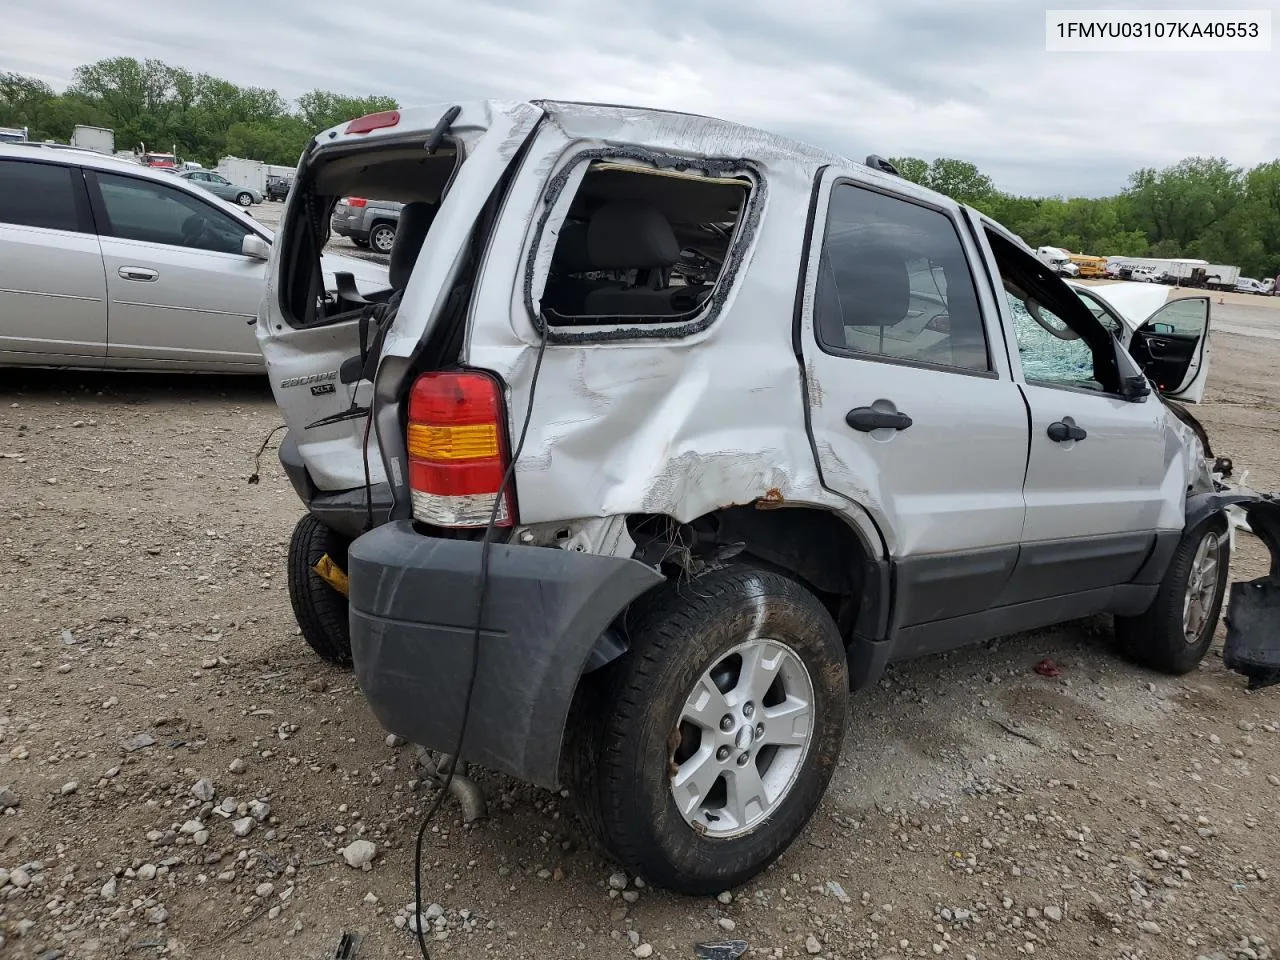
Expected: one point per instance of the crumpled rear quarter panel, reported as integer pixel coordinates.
(678, 426)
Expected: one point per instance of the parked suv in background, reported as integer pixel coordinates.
(368, 223)
(681, 431)
(278, 187)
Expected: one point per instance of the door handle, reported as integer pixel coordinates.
(145, 274)
(866, 419)
(1060, 432)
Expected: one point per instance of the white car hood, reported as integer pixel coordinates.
(1133, 302)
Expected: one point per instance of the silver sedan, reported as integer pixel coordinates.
(220, 186)
(107, 264)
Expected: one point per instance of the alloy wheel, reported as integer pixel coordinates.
(742, 738)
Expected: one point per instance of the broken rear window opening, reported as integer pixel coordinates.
(406, 184)
(642, 245)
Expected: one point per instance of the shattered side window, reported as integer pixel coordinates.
(642, 245)
(1060, 340)
(1050, 351)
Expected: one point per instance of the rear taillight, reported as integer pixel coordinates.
(355, 201)
(458, 452)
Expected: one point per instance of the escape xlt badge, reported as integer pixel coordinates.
(309, 378)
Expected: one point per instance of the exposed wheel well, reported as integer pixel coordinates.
(812, 545)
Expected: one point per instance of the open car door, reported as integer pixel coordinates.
(1172, 347)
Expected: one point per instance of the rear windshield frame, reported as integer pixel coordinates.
(304, 180)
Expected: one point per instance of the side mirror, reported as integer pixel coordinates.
(254, 246)
(1162, 328)
(1134, 387)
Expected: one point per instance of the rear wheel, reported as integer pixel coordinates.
(1175, 633)
(245, 199)
(382, 237)
(703, 752)
(320, 609)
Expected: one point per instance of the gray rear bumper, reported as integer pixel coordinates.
(345, 228)
(413, 608)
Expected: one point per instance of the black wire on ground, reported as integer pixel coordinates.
(257, 457)
(482, 591)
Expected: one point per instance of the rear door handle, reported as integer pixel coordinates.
(866, 419)
(1060, 432)
(145, 274)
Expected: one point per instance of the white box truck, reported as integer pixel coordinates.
(1171, 270)
(98, 139)
(244, 173)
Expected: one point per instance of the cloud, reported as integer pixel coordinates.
(912, 77)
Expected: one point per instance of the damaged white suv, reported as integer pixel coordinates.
(668, 433)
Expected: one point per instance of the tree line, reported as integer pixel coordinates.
(1201, 207)
(165, 107)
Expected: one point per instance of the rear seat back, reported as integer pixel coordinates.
(631, 235)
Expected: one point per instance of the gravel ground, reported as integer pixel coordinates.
(183, 778)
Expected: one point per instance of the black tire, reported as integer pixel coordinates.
(321, 610)
(245, 199)
(382, 236)
(624, 737)
(1157, 638)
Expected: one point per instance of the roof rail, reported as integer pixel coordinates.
(876, 162)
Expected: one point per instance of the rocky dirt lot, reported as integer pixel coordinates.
(181, 776)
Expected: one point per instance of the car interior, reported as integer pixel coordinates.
(406, 174)
(640, 243)
(889, 298)
(1166, 348)
(141, 210)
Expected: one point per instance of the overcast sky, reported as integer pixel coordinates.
(960, 78)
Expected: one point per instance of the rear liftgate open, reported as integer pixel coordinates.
(1253, 611)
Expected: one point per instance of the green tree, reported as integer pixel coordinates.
(1179, 205)
(321, 109)
(960, 180)
(913, 169)
(138, 96)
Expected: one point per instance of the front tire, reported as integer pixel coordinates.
(244, 199)
(321, 611)
(1175, 633)
(706, 748)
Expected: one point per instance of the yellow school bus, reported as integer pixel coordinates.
(1090, 267)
